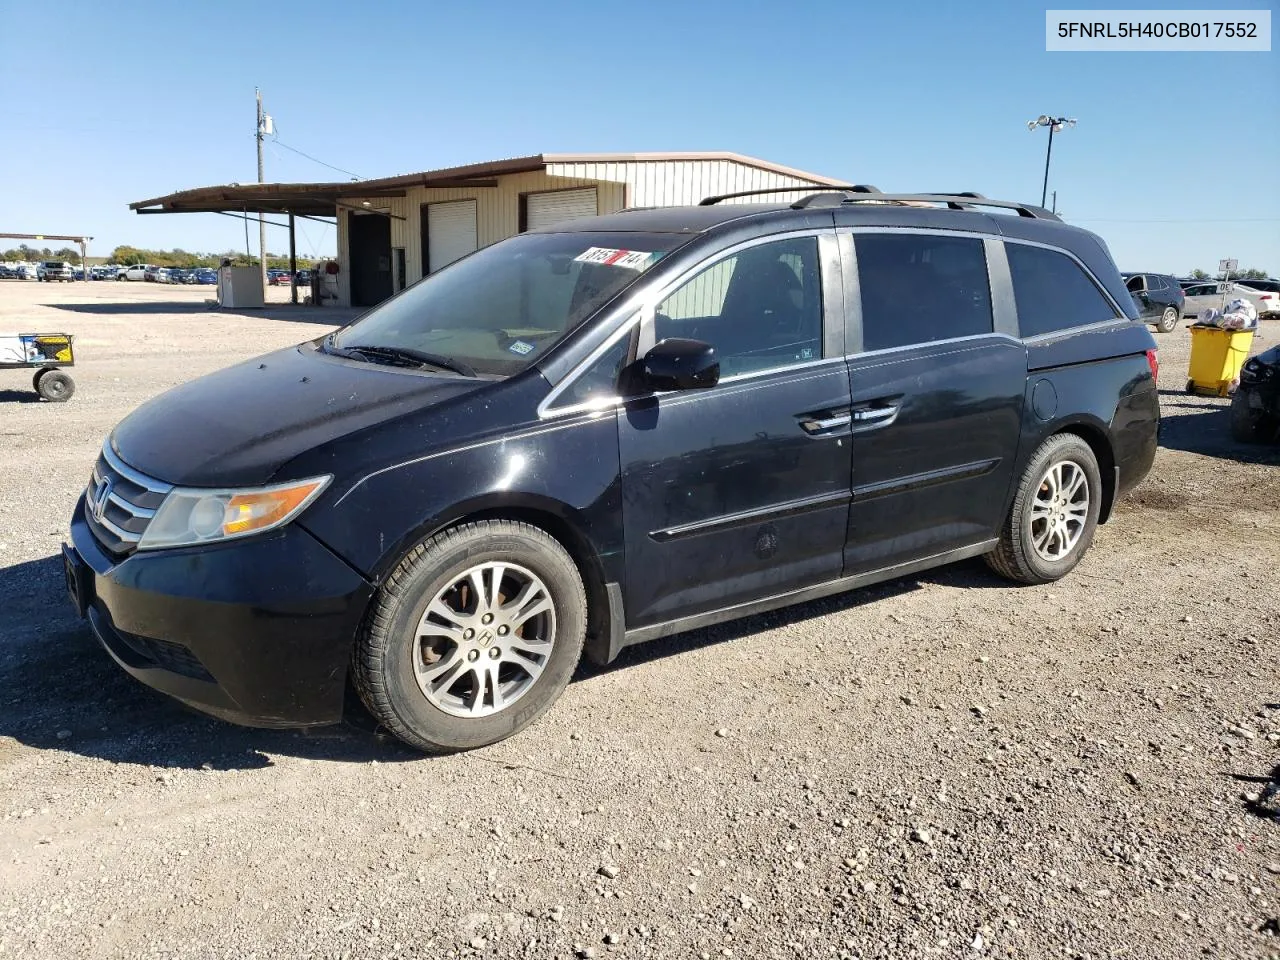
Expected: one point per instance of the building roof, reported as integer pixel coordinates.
(323, 199)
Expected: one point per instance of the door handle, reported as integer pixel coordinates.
(826, 423)
(872, 414)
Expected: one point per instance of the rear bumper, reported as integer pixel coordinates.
(257, 631)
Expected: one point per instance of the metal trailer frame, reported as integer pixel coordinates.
(44, 365)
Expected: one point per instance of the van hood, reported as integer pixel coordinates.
(238, 426)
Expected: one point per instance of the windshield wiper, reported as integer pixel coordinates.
(409, 357)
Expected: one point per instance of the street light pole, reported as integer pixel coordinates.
(1044, 190)
(1054, 124)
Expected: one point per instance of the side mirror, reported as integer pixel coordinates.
(679, 364)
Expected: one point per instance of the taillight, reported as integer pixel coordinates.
(1153, 361)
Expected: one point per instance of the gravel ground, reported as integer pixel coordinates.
(942, 766)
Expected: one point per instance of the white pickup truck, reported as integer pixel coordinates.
(136, 272)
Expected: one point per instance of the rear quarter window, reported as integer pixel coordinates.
(1052, 292)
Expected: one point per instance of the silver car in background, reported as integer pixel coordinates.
(1216, 294)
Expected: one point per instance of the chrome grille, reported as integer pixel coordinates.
(120, 502)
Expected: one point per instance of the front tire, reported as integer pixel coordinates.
(1168, 320)
(474, 635)
(1249, 425)
(1054, 514)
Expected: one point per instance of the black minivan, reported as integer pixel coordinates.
(610, 431)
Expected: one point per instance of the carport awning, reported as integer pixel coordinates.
(304, 199)
(324, 199)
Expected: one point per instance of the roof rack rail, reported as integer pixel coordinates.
(853, 188)
(961, 201)
(833, 199)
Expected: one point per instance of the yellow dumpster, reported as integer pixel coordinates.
(1216, 358)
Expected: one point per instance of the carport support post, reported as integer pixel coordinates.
(84, 260)
(293, 261)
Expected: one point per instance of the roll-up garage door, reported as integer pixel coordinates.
(451, 232)
(548, 209)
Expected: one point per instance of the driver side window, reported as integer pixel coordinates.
(760, 309)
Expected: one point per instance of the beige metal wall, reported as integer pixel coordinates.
(646, 183)
(666, 183)
(497, 214)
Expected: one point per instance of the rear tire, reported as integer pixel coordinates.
(54, 385)
(1054, 514)
(454, 706)
(1168, 320)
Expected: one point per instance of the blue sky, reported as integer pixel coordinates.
(1175, 161)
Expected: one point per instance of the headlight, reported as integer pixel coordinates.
(1255, 371)
(190, 516)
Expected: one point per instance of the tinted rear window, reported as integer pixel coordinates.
(918, 288)
(1052, 292)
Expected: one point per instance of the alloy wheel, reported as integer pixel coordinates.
(1060, 510)
(484, 640)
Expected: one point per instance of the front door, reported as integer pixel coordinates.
(1148, 308)
(936, 399)
(369, 240)
(740, 491)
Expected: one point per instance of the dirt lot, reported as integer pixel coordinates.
(943, 766)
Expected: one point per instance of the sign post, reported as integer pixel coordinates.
(1225, 267)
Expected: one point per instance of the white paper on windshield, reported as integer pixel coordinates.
(609, 257)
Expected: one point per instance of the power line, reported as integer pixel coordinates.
(1219, 220)
(300, 153)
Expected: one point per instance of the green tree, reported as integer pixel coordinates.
(1250, 273)
(1198, 274)
(127, 256)
(178, 257)
(72, 256)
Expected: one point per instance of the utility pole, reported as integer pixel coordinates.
(262, 225)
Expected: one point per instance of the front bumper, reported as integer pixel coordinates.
(255, 631)
(1263, 398)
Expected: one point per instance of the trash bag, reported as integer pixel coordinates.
(1239, 314)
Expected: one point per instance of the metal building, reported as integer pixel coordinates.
(395, 230)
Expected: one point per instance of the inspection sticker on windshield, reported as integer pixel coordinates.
(631, 259)
(521, 347)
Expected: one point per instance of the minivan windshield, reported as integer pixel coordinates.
(498, 310)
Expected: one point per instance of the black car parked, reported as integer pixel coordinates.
(610, 431)
(1255, 406)
(1158, 297)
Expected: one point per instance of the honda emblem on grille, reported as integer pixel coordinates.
(98, 501)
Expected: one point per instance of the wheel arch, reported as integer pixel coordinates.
(566, 526)
(1095, 435)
